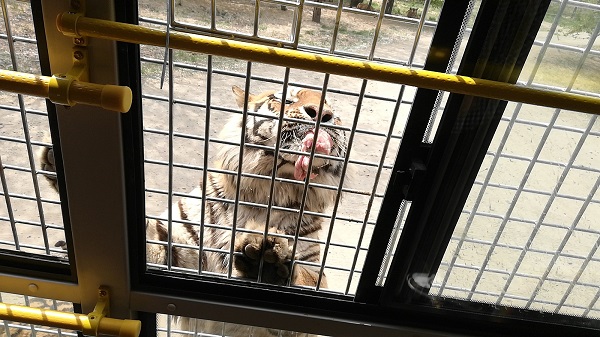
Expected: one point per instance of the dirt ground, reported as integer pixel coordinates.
(568, 224)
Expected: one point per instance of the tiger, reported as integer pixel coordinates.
(413, 13)
(293, 165)
(365, 7)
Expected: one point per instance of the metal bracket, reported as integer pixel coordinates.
(93, 324)
(101, 310)
(410, 180)
(100, 323)
(58, 91)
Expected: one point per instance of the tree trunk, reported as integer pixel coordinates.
(388, 6)
(316, 15)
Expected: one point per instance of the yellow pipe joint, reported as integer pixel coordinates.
(66, 90)
(76, 25)
(71, 321)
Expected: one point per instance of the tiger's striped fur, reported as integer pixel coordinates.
(261, 129)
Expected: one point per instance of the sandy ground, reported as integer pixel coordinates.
(375, 115)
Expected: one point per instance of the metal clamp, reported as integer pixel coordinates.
(61, 83)
(58, 90)
(99, 323)
(101, 309)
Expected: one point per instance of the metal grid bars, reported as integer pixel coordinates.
(528, 235)
(185, 127)
(452, 68)
(167, 327)
(8, 328)
(393, 242)
(30, 213)
(319, 26)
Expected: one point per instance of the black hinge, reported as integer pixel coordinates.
(409, 181)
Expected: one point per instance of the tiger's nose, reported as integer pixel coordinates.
(313, 111)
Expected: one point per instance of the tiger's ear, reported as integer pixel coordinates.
(239, 96)
(254, 101)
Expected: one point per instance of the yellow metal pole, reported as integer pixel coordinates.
(65, 320)
(76, 25)
(23, 83)
(65, 90)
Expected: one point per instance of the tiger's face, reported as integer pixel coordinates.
(298, 131)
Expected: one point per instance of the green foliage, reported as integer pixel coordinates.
(401, 7)
(574, 19)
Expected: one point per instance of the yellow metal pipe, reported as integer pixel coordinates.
(67, 91)
(71, 321)
(76, 25)
(23, 83)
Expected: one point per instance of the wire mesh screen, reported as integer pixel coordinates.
(206, 328)
(334, 143)
(17, 329)
(30, 213)
(528, 235)
(393, 243)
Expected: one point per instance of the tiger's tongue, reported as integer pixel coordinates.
(323, 146)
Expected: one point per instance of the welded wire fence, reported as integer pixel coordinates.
(197, 94)
(528, 235)
(30, 212)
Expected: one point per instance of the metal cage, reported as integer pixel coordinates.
(454, 213)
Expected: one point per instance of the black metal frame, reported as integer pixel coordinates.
(130, 75)
(426, 233)
(412, 149)
(499, 44)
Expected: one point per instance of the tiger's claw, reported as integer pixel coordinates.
(276, 255)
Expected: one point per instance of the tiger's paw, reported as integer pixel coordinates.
(276, 255)
(47, 163)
